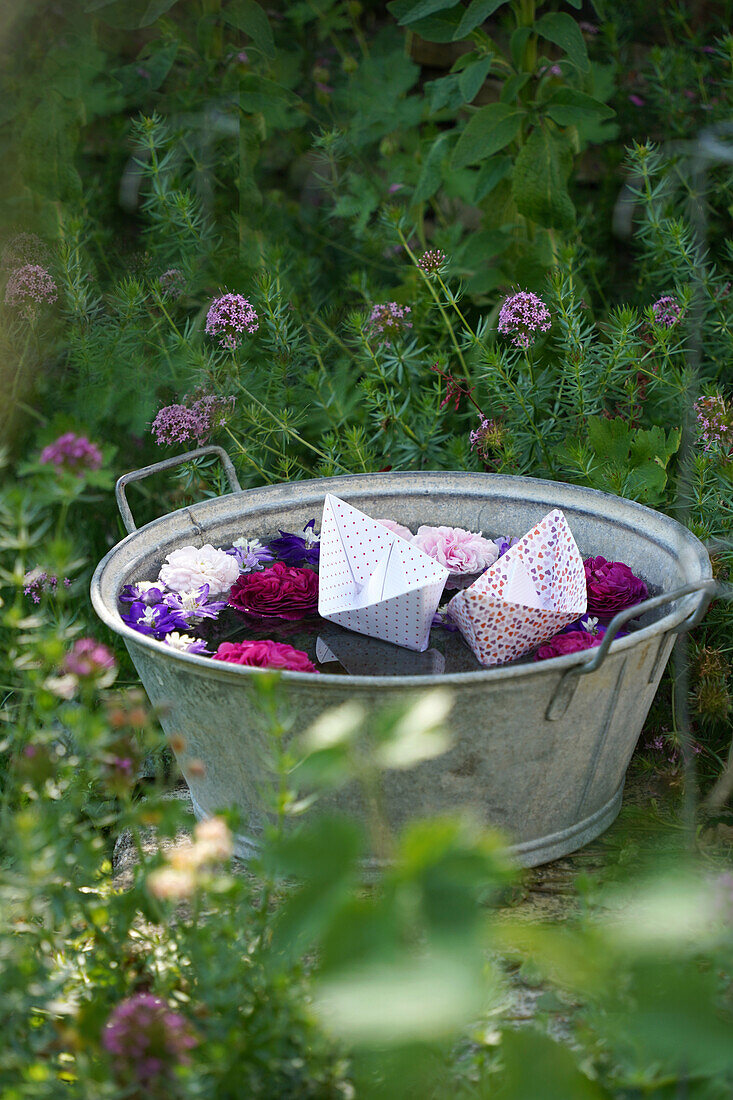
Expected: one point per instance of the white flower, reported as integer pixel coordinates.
(213, 840)
(181, 642)
(171, 883)
(192, 566)
(311, 538)
(248, 546)
(142, 589)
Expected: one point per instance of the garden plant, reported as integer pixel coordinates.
(345, 237)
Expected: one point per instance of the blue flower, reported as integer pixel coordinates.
(153, 621)
(251, 554)
(192, 607)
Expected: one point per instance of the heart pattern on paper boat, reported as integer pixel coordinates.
(534, 590)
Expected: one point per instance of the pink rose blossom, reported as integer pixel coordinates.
(265, 654)
(458, 550)
(193, 566)
(284, 591)
(562, 644)
(396, 528)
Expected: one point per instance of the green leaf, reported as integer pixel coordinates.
(431, 175)
(444, 93)
(476, 13)
(492, 172)
(155, 9)
(513, 87)
(569, 107)
(517, 43)
(539, 182)
(411, 12)
(535, 1065)
(490, 129)
(248, 16)
(560, 28)
(473, 76)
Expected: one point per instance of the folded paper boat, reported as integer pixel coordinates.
(529, 594)
(374, 582)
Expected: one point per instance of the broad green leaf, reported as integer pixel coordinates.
(473, 76)
(431, 175)
(517, 43)
(248, 16)
(539, 182)
(412, 12)
(492, 172)
(476, 13)
(440, 27)
(513, 87)
(561, 28)
(569, 107)
(537, 1066)
(490, 129)
(155, 9)
(444, 93)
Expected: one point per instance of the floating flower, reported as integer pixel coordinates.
(397, 528)
(229, 317)
(73, 453)
(29, 287)
(302, 549)
(572, 642)
(432, 261)
(152, 621)
(522, 316)
(192, 605)
(251, 554)
(667, 311)
(185, 643)
(149, 592)
(503, 543)
(265, 654)
(715, 423)
(458, 550)
(89, 659)
(611, 586)
(387, 319)
(193, 566)
(181, 423)
(280, 590)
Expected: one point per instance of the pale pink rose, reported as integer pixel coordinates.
(193, 566)
(396, 528)
(458, 550)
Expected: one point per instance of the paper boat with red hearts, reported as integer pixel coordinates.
(373, 581)
(529, 594)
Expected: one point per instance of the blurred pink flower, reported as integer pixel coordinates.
(458, 550)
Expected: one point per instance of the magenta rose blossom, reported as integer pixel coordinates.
(572, 642)
(284, 591)
(265, 655)
(611, 586)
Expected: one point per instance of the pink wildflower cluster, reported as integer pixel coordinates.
(172, 282)
(229, 317)
(87, 658)
(38, 581)
(73, 453)
(181, 423)
(667, 311)
(715, 422)
(523, 315)
(387, 319)
(147, 1040)
(29, 287)
(432, 260)
(487, 437)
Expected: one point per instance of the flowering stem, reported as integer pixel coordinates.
(436, 298)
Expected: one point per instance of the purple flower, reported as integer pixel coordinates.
(667, 311)
(387, 319)
(251, 554)
(522, 315)
(150, 592)
(489, 436)
(443, 620)
(153, 621)
(504, 542)
(29, 287)
(611, 586)
(192, 606)
(562, 644)
(303, 549)
(588, 28)
(73, 453)
(147, 1040)
(88, 658)
(715, 423)
(432, 261)
(636, 100)
(229, 316)
(38, 581)
(395, 187)
(172, 282)
(181, 423)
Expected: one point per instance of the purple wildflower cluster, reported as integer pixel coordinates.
(172, 282)
(432, 261)
(715, 423)
(73, 453)
(251, 555)
(38, 582)
(24, 248)
(147, 1040)
(229, 317)
(181, 423)
(522, 315)
(29, 287)
(487, 437)
(388, 319)
(667, 311)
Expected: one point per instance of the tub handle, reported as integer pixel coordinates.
(565, 690)
(166, 464)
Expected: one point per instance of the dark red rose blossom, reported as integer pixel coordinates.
(265, 654)
(611, 586)
(562, 644)
(281, 591)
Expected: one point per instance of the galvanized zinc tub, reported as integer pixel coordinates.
(540, 750)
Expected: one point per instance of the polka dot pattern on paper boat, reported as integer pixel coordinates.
(498, 630)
